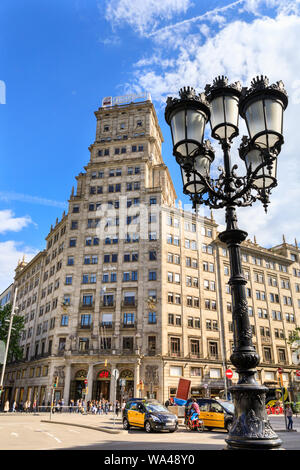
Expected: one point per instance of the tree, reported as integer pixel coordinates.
(15, 351)
(294, 335)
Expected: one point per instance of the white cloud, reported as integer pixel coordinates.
(8, 221)
(141, 15)
(241, 51)
(13, 196)
(10, 253)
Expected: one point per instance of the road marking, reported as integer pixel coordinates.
(14, 434)
(73, 430)
(51, 435)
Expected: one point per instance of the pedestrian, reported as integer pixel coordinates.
(289, 415)
(71, 407)
(117, 408)
(6, 406)
(14, 407)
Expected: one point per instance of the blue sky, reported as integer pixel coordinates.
(59, 58)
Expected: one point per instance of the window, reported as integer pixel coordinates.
(128, 319)
(195, 347)
(64, 320)
(87, 300)
(175, 371)
(213, 349)
(174, 346)
(72, 242)
(83, 344)
(85, 321)
(152, 318)
(68, 280)
(152, 276)
(128, 343)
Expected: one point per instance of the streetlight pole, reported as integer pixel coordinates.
(8, 340)
(262, 107)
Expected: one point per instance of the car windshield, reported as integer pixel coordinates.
(155, 407)
(228, 406)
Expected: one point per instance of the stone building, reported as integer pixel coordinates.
(130, 281)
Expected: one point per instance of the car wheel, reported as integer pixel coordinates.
(228, 425)
(148, 427)
(126, 425)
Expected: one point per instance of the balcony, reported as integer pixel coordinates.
(175, 353)
(129, 302)
(87, 305)
(83, 326)
(107, 325)
(195, 355)
(128, 325)
(108, 304)
(152, 352)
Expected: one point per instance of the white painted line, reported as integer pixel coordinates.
(14, 434)
(51, 435)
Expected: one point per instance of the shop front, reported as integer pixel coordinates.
(78, 385)
(101, 386)
(125, 385)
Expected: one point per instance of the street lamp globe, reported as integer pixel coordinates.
(224, 101)
(187, 118)
(262, 166)
(262, 107)
(192, 174)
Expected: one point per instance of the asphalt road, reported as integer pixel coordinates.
(20, 431)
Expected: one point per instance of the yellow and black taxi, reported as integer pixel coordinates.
(148, 414)
(215, 413)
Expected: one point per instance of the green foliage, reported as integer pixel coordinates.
(294, 335)
(14, 352)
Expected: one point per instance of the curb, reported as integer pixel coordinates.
(109, 431)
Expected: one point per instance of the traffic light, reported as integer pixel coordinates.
(55, 382)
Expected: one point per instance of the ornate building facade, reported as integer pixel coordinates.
(129, 281)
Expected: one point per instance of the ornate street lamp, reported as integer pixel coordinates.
(261, 106)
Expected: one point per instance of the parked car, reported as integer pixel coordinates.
(148, 414)
(215, 413)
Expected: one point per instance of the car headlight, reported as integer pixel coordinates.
(155, 418)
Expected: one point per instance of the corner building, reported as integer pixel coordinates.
(130, 281)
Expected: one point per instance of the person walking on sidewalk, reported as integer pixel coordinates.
(289, 415)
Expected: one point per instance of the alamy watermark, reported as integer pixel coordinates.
(131, 220)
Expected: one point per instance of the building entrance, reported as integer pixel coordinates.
(125, 388)
(102, 388)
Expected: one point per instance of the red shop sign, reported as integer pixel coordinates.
(104, 374)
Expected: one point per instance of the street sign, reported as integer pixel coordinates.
(298, 373)
(85, 381)
(115, 374)
(183, 389)
(229, 374)
(279, 370)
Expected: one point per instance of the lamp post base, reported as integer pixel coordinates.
(251, 429)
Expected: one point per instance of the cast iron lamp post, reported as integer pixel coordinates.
(261, 106)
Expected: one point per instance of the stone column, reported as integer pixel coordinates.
(112, 383)
(67, 384)
(90, 377)
(137, 378)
